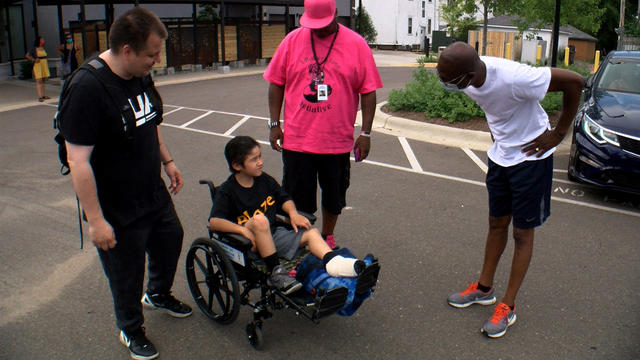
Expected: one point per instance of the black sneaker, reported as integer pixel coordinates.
(139, 346)
(281, 280)
(167, 303)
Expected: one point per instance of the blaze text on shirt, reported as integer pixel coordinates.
(263, 209)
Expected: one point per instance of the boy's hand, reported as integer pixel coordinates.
(249, 235)
(299, 220)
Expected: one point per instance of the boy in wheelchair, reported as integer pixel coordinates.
(246, 204)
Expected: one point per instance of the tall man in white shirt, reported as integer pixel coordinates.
(520, 160)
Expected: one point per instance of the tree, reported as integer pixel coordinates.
(585, 15)
(364, 25)
(208, 12)
(607, 37)
(458, 14)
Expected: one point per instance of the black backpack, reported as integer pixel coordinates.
(101, 73)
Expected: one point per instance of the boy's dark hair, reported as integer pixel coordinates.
(237, 150)
(133, 28)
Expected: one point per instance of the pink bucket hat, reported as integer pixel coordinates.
(318, 13)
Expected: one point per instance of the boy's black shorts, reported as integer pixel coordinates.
(303, 171)
(522, 190)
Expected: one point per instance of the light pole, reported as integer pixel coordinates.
(556, 35)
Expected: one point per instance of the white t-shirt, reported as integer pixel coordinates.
(510, 98)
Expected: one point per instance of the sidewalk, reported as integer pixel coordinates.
(18, 94)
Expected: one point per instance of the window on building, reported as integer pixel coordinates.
(429, 26)
(423, 10)
(410, 26)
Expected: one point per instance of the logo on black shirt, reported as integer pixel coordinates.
(143, 109)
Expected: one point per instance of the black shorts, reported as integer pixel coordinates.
(522, 190)
(302, 173)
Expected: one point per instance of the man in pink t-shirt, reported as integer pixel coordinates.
(321, 71)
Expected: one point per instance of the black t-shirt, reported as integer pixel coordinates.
(128, 174)
(238, 204)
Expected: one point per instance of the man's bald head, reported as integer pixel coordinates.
(459, 55)
(458, 59)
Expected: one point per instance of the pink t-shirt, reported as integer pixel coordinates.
(322, 126)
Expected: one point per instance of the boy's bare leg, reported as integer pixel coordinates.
(317, 245)
(521, 259)
(335, 265)
(496, 242)
(259, 226)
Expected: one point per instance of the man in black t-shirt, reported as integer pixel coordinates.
(118, 180)
(247, 203)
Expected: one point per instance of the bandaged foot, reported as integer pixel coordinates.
(339, 266)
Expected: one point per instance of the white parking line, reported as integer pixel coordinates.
(172, 111)
(208, 132)
(415, 165)
(221, 112)
(476, 159)
(196, 119)
(237, 125)
(485, 168)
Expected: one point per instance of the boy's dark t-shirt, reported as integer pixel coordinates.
(128, 176)
(238, 204)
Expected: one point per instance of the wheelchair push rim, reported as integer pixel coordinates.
(212, 281)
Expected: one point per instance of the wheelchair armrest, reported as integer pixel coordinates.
(285, 219)
(235, 240)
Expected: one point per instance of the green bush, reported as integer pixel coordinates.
(425, 94)
(552, 102)
(433, 58)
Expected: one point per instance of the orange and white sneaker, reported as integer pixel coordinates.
(502, 318)
(472, 295)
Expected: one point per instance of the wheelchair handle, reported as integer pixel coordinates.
(212, 188)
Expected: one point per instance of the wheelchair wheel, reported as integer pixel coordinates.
(212, 281)
(254, 335)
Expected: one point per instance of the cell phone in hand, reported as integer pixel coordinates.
(357, 154)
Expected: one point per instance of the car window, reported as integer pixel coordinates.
(621, 75)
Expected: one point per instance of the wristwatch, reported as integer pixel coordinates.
(273, 124)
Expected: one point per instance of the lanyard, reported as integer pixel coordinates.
(313, 48)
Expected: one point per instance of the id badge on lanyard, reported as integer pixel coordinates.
(323, 92)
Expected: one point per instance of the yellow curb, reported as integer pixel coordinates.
(427, 65)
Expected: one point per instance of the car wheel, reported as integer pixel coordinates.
(573, 158)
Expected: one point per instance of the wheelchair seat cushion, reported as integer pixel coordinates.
(312, 275)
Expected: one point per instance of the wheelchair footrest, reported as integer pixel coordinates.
(316, 307)
(331, 302)
(368, 278)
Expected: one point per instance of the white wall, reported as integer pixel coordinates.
(391, 18)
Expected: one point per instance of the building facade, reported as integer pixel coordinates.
(251, 29)
(403, 24)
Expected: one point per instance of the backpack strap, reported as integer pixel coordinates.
(97, 69)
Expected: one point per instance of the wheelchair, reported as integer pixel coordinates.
(222, 272)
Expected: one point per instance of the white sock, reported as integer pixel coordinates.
(340, 266)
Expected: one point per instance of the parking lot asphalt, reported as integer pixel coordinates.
(419, 206)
